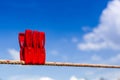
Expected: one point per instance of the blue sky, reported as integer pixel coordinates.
(81, 31)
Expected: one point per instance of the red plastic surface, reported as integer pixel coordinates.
(32, 47)
(35, 46)
(21, 44)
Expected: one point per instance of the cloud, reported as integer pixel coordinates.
(75, 78)
(14, 54)
(26, 77)
(45, 78)
(107, 34)
(107, 75)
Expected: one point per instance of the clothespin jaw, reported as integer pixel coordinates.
(32, 47)
(21, 44)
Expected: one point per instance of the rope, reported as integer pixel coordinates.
(17, 62)
(12, 62)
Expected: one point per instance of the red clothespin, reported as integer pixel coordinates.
(32, 47)
(35, 46)
(21, 44)
(42, 53)
(28, 48)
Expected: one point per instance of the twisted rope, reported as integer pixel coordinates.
(17, 62)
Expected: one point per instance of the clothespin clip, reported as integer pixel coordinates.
(32, 47)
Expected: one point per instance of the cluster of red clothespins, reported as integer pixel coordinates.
(32, 47)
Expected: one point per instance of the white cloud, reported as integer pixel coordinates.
(91, 46)
(107, 75)
(14, 53)
(82, 79)
(107, 33)
(98, 74)
(75, 78)
(24, 77)
(45, 78)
